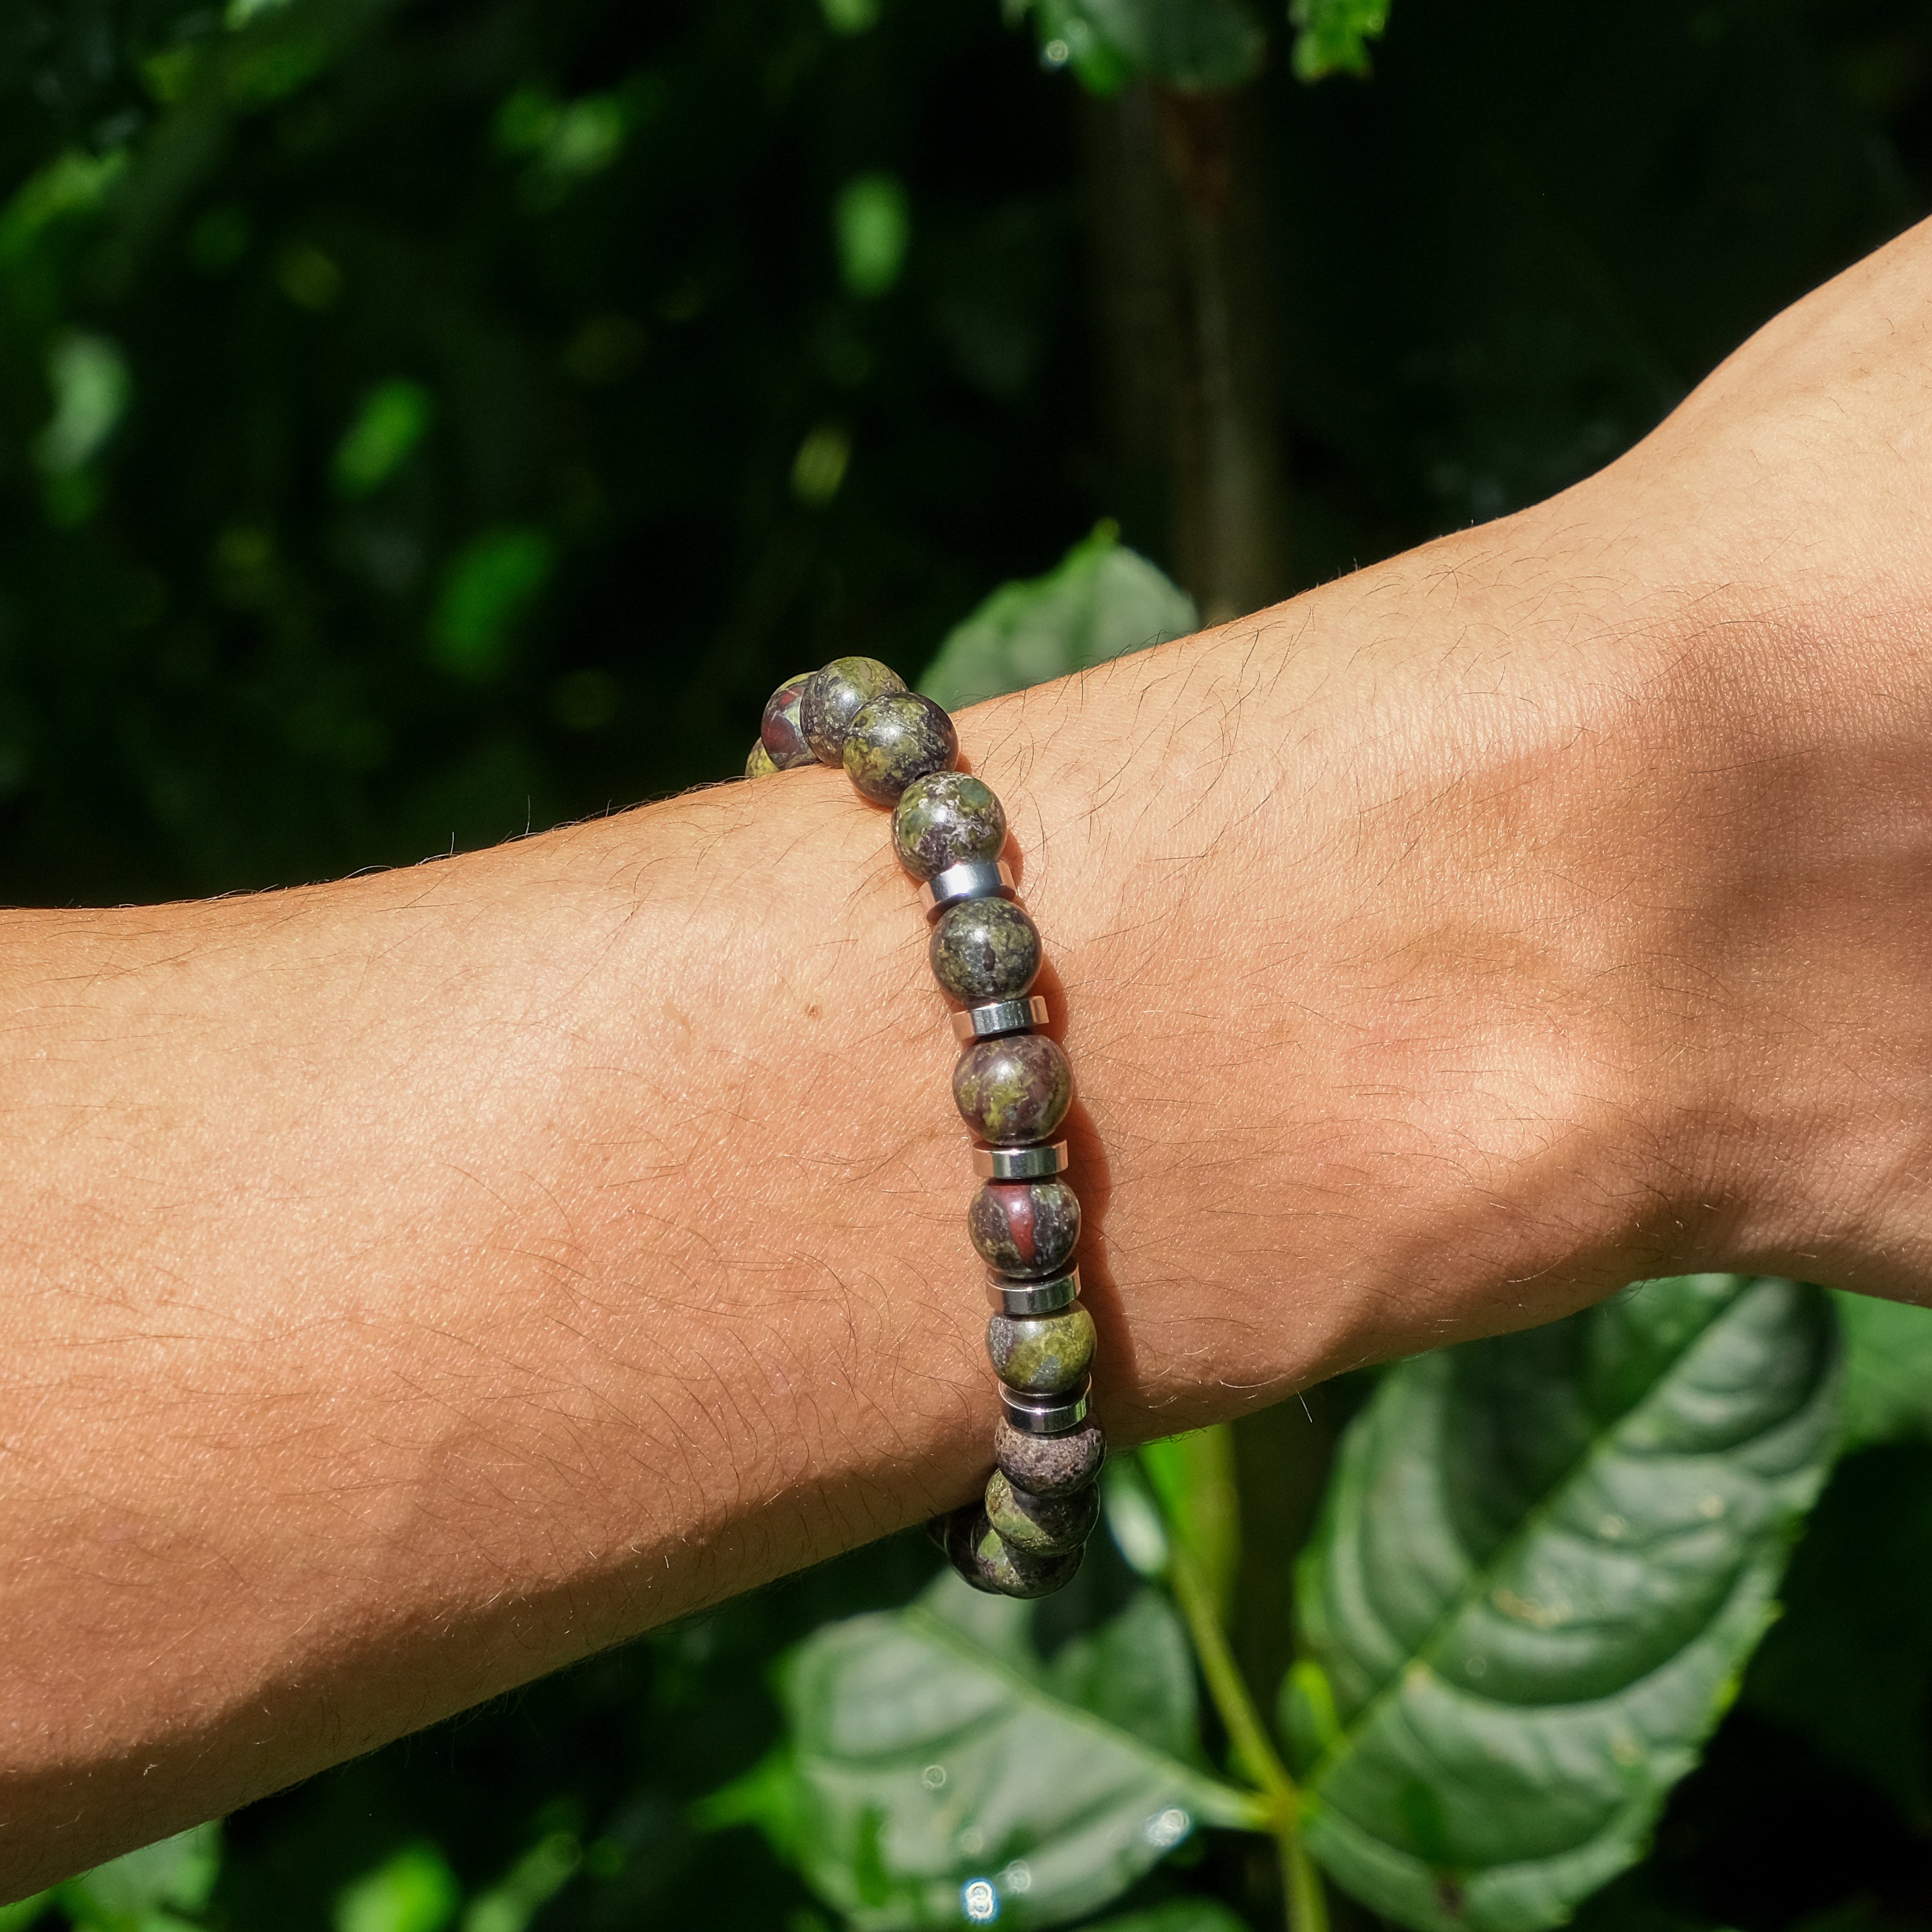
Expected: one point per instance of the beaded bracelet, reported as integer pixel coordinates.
(1011, 1085)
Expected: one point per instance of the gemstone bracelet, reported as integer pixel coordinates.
(1011, 1085)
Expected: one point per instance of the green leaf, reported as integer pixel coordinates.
(177, 1874)
(529, 1885)
(871, 223)
(1177, 1915)
(1849, 1666)
(1543, 1562)
(494, 579)
(1197, 46)
(414, 1891)
(932, 1750)
(1888, 1370)
(1332, 36)
(387, 427)
(1103, 602)
(1194, 1477)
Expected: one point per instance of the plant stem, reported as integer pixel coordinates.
(1304, 1903)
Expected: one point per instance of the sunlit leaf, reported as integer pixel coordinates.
(536, 1878)
(1543, 1563)
(176, 1874)
(1332, 36)
(1103, 602)
(414, 1891)
(1194, 1476)
(88, 376)
(937, 1767)
(873, 226)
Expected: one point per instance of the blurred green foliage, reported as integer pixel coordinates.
(424, 419)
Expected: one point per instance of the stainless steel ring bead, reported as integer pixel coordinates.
(983, 879)
(998, 1017)
(1027, 1163)
(1046, 1415)
(1033, 1297)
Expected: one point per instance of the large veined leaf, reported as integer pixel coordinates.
(1543, 1562)
(1888, 1370)
(939, 1771)
(1101, 601)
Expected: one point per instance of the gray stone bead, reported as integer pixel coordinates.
(989, 1562)
(984, 950)
(1014, 1091)
(834, 696)
(1024, 1228)
(1041, 1525)
(1042, 1354)
(1049, 1465)
(950, 818)
(780, 731)
(894, 740)
(759, 763)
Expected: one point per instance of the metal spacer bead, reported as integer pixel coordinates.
(1027, 1163)
(997, 1017)
(1034, 1297)
(1046, 1415)
(993, 879)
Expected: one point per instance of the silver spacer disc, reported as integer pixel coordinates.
(1046, 1415)
(993, 879)
(1034, 1297)
(997, 1017)
(1027, 1163)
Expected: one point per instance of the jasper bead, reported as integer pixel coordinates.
(1015, 1090)
(989, 1562)
(780, 731)
(948, 818)
(760, 762)
(1042, 1354)
(1049, 1465)
(1040, 1525)
(895, 740)
(1024, 1228)
(984, 950)
(834, 696)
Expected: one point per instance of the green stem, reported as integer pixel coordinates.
(1304, 1902)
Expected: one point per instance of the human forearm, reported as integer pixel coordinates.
(422, 1281)
(412, 1284)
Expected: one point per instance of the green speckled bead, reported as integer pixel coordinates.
(1014, 1091)
(1025, 1229)
(1041, 1525)
(1049, 1465)
(835, 696)
(1042, 1354)
(759, 763)
(989, 1562)
(894, 740)
(984, 949)
(780, 731)
(949, 819)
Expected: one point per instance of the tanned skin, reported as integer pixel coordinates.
(411, 1285)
